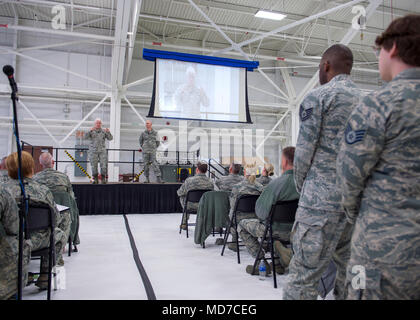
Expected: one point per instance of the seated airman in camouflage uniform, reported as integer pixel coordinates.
(226, 183)
(378, 170)
(280, 189)
(248, 186)
(97, 150)
(198, 182)
(321, 232)
(267, 172)
(58, 182)
(37, 193)
(9, 246)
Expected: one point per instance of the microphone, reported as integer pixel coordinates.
(8, 71)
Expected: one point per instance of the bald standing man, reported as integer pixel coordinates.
(321, 232)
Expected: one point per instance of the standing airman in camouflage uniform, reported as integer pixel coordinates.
(37, 193)
(198, 182)
(59, 184)
(9, 246)
(248, 186)
(321, 232)
(149, 143)
(4, 177)
(378, 170)
(281, 189)
(97, 150)
(226, 183)
(267, 172)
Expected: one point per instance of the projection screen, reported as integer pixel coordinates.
(199, 91)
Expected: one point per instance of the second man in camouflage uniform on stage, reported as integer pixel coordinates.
(149, 143)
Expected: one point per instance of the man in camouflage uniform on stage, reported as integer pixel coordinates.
(198, 182)
(9, 246)
(226, 183)
(321, 231)
(149, 143)
(378, 171)
(281, 189)
(97, 150)
(37, 193)
(59, 183)
(3, 171)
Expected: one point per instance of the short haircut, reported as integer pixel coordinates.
(405, 33)
(236, 168)
(202, 167)
(339, 57)
(28, 165)
(289, 154)
(45, 159)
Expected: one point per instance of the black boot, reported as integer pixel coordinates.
(95, 179)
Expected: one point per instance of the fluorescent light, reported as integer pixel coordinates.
(270, 15)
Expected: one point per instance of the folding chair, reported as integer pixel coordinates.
(281, 212)
(193, 196)
(244, 203)
(40, 217)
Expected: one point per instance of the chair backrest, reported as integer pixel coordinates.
(40, 217)
(284, 211)
(195, 195)
(246, 203)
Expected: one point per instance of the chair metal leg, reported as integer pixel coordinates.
(186, 222)
(50, 257)
(237, 239)
(272, 257)
(259, 250)
(70, 249)
(226, 236)
(180, 225)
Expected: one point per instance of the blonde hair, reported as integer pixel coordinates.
(251, 171)
(28, 165)
(269, 168)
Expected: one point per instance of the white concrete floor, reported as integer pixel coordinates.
(104, 267)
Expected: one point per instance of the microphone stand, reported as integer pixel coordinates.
(24, 201)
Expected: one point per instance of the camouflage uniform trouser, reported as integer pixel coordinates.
(150, 160)
(239, 217)
(384, 281)
(102, 157)
(317, 237)
(252, 229)
(41, 240)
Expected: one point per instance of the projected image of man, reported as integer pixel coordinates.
(189, 97)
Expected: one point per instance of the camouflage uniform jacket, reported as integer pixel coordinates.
(4, 177)
(9, 229)
(226, 183)
(323, 114)
(264, 180)
(149, 141)
(244, 187)
(198, 182)
(281, 189)
(54, 180)
(97, 140)
(378, 170)
(36, 192)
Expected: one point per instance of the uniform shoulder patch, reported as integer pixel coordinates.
(353, 136)
(305, 114)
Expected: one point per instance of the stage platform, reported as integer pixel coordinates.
(126, 198)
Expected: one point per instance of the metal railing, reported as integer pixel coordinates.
(179, 158)
(221, 172)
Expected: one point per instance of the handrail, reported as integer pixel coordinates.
(211, 159)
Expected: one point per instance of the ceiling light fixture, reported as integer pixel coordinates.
(270, 15)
